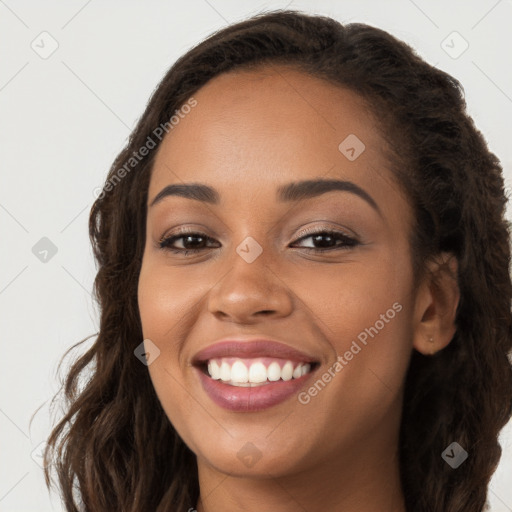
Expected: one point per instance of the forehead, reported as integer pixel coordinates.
(274, 125)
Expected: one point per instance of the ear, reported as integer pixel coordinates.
(436, 304)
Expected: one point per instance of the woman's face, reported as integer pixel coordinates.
(253, 138)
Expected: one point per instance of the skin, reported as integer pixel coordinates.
(250, 133)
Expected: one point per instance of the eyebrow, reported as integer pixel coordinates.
(286, 193)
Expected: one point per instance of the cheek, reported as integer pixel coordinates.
(165, 297)
(163, 306)
(162, 309)
(353, 297)
(365, 315)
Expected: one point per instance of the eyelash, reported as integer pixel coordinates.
(348, 242)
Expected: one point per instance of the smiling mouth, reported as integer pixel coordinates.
(255, 372)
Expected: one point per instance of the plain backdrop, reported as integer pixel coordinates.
(74, 78)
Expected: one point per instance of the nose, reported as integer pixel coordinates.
(250, 291)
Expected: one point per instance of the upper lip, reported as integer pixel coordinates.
(256, 347)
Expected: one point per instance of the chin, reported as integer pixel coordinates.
(253, 458)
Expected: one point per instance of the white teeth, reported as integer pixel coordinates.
(256, 373)
(247, 384)
(306, 368)
(225, 371)
(274, 372)
(239, 372)
(287, 371)
(297, 372)
(214, 370)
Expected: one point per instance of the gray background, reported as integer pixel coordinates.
(65, 116)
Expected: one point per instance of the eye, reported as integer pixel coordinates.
(191, 241)
(328, 240)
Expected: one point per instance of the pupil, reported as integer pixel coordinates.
(318, 238)
(191, 237)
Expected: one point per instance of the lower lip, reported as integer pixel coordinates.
(250, 399)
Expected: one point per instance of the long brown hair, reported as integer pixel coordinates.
(115, 449)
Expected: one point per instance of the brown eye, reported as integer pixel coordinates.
(191, 242)
(328, 240)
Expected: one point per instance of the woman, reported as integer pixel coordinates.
(304, 287)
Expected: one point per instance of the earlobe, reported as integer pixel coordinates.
(436, 304)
